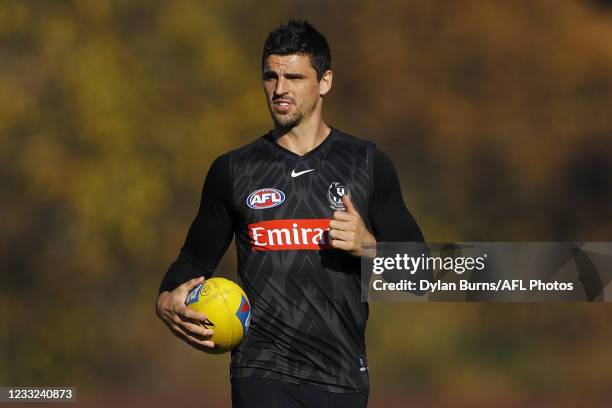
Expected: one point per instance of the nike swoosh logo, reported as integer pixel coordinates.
(299, 173)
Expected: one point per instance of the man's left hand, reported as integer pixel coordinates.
(347, 230)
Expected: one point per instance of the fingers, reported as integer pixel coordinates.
(194, 326)
(194, 329)
(345, 240)
(191, 314)
(342, 225)
(342, 235)
(187, 324)
(344, 245)
(195, 340)
(183, 322)
(342, 216)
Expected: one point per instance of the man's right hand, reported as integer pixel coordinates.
(182, 321)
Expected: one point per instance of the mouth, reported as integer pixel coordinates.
(282, 105)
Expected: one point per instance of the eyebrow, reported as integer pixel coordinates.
(288, 75)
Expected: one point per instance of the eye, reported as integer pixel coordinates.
(268, 76)
(294, 77)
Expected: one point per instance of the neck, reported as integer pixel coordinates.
(302, 138)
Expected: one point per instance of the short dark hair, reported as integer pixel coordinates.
(299, 37)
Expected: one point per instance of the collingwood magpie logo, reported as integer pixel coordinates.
(334, 195)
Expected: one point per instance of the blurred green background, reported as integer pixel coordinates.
(497, 115)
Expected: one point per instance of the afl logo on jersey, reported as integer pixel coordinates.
(334, 195)
(265, 198)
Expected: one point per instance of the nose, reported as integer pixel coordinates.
(281, 86)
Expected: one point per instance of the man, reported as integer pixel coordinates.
(300, 201)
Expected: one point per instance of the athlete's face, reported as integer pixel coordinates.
(292, 89)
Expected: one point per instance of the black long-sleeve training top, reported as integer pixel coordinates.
(308, 321)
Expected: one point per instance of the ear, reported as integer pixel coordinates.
(325, 83)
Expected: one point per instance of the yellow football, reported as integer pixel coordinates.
(227, 309)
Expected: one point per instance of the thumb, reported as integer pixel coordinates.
(350, 208)
(192, 283)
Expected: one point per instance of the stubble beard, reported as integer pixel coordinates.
(288, 121)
